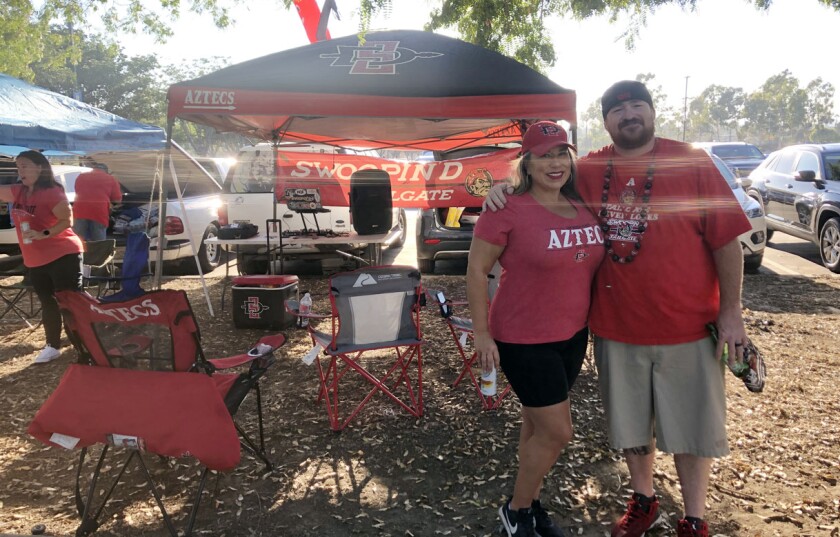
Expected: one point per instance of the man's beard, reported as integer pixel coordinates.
(632, 141)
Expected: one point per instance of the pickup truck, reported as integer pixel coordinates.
(248, 196)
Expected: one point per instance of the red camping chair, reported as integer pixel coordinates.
(375, 310)
(461, 329)
(154, 390)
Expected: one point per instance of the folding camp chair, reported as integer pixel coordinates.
(14, 294)
(461, 329)
(373, 309)
(98, 264)
(153, 390)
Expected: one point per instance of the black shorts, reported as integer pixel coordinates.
(541, 374)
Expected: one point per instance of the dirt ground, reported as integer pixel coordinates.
(447, 473)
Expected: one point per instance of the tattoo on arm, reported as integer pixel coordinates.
(639, 450)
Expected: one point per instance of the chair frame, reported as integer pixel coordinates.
(341, 360)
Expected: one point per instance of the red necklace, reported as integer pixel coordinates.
(643, 214)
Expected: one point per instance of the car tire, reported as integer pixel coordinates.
(830, 244)
(426, 266)
(402, 223)
(209, 256)
(753, 263)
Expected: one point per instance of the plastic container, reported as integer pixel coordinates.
(24, 227)
(488, 383)
(305, 308)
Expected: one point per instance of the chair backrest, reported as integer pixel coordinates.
(376, 305)
(99, 253)
(12, 265)
(135, 263)
(156, 331)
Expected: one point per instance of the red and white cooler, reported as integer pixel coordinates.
(258, 301)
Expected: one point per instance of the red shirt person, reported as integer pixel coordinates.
(95, 191)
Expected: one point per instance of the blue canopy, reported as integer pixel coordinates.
(37, 118)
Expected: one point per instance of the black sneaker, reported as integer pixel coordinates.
(519, 523)
(544, 526)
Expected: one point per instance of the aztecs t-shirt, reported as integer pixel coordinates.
(668, 293)
(37, 209)
(549, 262)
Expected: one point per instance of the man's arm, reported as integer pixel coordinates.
(729, 262)
(496, 198)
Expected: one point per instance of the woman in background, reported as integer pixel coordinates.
(52, 252)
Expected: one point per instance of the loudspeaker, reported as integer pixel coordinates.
(370, 201)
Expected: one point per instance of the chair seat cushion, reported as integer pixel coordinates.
(175, 414)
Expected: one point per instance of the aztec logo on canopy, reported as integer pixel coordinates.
(375, 57)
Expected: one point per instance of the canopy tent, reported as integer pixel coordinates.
(399, 89)
(37, 118)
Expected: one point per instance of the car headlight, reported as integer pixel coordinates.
(754, 213)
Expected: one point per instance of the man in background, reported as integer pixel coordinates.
(95, 190)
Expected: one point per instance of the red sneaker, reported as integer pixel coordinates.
(687, 529)
(641, 514)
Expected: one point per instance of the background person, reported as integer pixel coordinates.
(51, 250)
(674, 264)
(536, 330)
(95, 191)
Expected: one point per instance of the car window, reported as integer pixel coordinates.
(726, 173)
(832, 166)
(737, 151)
(808, 161)
(784, 164)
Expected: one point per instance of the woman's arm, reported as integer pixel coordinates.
(483, 255)
(65, 220)
(6, 193)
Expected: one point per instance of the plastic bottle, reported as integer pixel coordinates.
(24, 227)
(488, 382)
(305, 308)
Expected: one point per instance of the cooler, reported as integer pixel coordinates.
(258, 301)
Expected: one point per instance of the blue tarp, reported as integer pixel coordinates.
(37, 118)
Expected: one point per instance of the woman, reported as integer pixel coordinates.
(51, 250)
(549, 246)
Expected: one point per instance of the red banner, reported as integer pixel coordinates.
(447, 183)
(310, 15)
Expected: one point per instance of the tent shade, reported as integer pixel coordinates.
(37, 118)
(400, 89)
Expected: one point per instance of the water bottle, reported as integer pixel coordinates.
(24, 227)
(304, 308)
(488, 382)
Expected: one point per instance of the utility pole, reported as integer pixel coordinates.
(685, 107)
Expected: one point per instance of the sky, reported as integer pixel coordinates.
(724, 42)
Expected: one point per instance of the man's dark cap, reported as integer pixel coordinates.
(626, 90)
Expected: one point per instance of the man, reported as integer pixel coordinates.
(673, 264)
(95, 191)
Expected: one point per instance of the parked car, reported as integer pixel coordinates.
(65, 175)
(136, 171)
(249, 196)
(740, 157)
(754, 241)
(441, 236)
(799, 188)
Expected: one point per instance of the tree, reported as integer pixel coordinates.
(512, 27)
(715, 113)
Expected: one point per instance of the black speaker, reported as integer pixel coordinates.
(370, 201)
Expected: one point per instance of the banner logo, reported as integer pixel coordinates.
(478, 182)
(375, 57)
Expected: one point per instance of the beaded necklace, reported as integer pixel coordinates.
(643, 214)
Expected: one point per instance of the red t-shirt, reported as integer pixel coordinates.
(670, 291)
(95, 190)
(37, 209)
(549, 262)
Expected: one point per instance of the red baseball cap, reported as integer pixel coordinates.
(543, 136)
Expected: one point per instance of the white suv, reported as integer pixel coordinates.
(248, 196)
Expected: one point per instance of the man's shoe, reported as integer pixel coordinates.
(47, 354)
(698, 529)
(543, 525)
(519, 523)
(642, 513)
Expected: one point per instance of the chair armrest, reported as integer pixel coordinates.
(264, 348)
